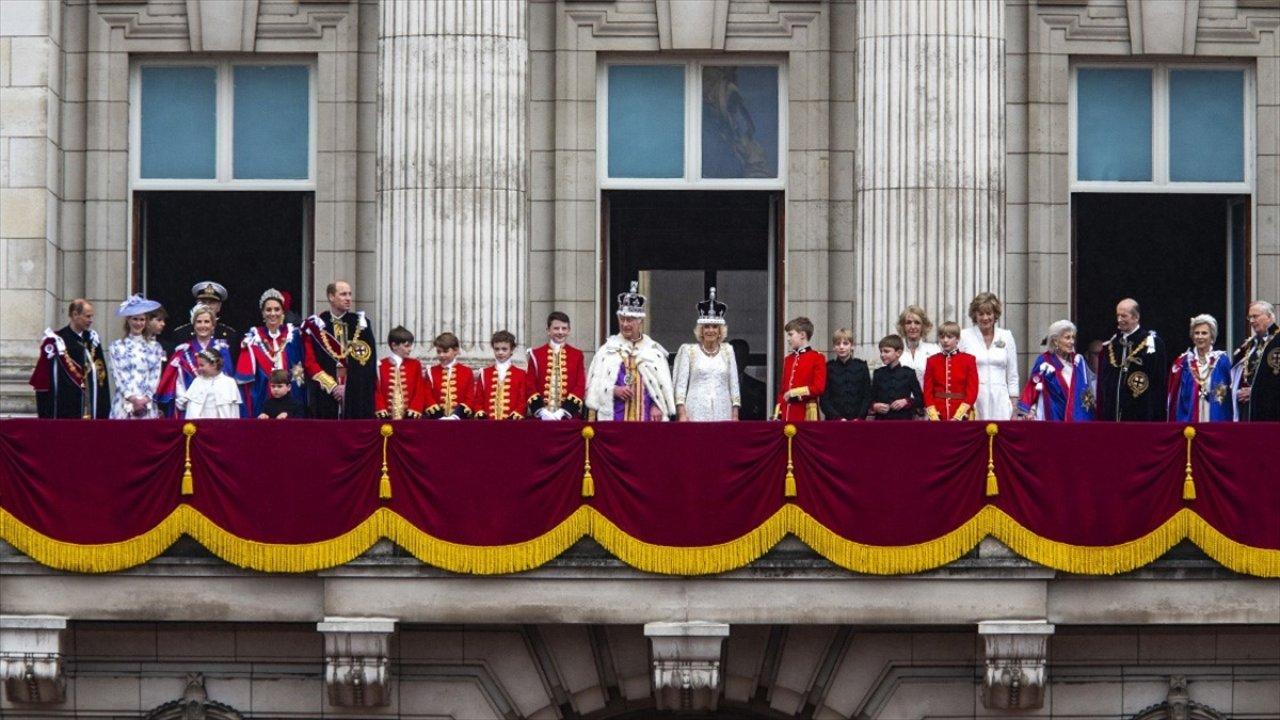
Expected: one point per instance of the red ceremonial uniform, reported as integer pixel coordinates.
(557, 380)
(402, 391)
(501, 399)
(950, 386)
(804, 379)
(452, 391)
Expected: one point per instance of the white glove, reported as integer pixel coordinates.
(547, 414)
(450, 417)
(563, 414)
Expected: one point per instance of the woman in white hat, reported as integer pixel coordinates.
(706, 375)
(136, 361)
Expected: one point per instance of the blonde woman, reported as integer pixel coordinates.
(706, 373)
(914, 327)
(997, 355)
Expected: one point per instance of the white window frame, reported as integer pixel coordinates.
(692, 178)
(224, 132)
(1160, 97)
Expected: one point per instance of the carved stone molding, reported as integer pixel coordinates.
(686, 664)
(692, 24)
(1179, 706)
(194, 705)
(219, 26)
(31, 658)
(1157, 27)
(1017, 653)
(222, 27)
(357, 660)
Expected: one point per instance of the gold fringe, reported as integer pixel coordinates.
(188, 482)
(517, 557)
(993, 489)
(384, 482)
(1189, 484)
(789, 487)
(588, 482)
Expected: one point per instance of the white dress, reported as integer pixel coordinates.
(918, 360)
(707, 385)
(135, 372)
(215, 397)
(997, 371)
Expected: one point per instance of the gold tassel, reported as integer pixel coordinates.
(789, 490)
(384, 483)
(1189, 484)
(993, 489)
(188, 482)
(588, 482)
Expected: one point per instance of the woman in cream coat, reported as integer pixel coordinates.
(997, 355)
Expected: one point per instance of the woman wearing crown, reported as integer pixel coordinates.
(629, 378)
(706, 375)
(1200, 380)
(273, 345)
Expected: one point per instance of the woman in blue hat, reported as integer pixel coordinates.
(136, 362)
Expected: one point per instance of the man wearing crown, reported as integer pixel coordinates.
(70, 377)
(340, 359)
(629, 379)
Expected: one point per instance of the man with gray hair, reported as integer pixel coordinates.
(1255, 374)
(1133, 369)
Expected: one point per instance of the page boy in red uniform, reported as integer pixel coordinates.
(501, 387)
(402, 390)
(804, 375)
(950, 379)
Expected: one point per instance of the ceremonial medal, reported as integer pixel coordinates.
(1273, 361)
(1138, 383)
(360, 350)
(102, 371)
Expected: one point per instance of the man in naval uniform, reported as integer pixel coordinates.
(629, 378)
(211, 295)
(340, 358)
(1255, 371)
(1133, 370)
(70, 377)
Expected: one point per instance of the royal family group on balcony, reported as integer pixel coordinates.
(328, 367)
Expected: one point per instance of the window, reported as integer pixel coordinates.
(1176, 128)
(707, 124)
(203, 124)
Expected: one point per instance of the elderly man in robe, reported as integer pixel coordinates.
(629, 378)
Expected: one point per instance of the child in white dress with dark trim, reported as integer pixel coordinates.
(211, 394)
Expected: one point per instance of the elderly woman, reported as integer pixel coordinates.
(183, 368)
(706, 374)
(1061, 385)
(914, 327)
(1200, 380)
(136, 362)
(273, 345)
(997, 356)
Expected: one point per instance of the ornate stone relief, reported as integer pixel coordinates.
(357, 669)
(1179, 706)
(217, 27)
(31, 658)
(686, 664)
(194, 705)
(1017, 651)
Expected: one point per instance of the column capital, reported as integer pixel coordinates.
(686, 663)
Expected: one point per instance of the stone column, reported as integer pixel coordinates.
(453, 168)
(929, 165)
(31, 91)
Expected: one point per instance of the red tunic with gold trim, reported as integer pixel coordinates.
(451, 391)
(402, 391)
(557, 380)
(501, 399)
(950, 386)
(804, 379)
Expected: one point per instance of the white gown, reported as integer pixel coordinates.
(997, 371)
(919, 359)
(707, 385)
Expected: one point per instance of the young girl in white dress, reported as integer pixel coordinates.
(211, 394)
(706, 373)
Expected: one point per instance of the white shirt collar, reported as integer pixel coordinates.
(554, 345)
(1135, 329)
(396, 359)
(502, 368)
